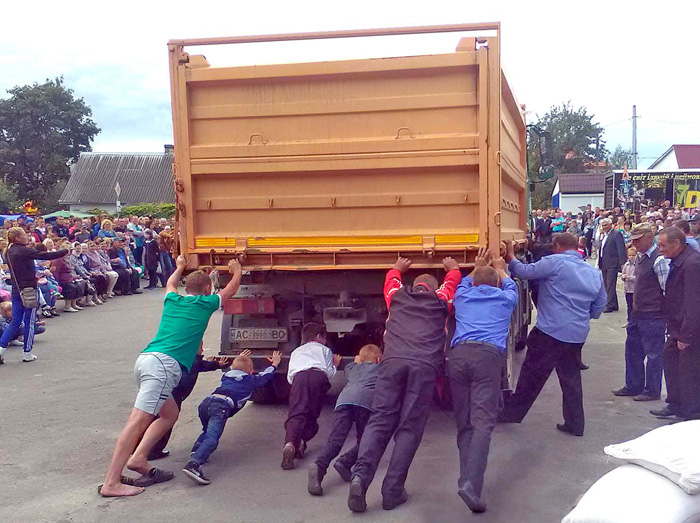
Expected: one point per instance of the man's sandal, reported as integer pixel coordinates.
(155, 475)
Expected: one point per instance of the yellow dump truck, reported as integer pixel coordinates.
(322, 174)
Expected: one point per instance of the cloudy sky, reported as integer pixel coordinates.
(604, 55)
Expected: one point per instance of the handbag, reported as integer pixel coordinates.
(30, 299)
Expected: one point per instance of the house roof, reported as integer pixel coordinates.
(581, 183)
(687, 156)
(142, 177)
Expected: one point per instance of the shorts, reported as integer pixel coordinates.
(156, 374)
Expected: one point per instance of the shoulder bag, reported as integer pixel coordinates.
(29, 296)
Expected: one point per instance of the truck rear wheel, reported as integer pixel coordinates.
(275, 392)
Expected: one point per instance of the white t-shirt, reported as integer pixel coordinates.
(311, 355)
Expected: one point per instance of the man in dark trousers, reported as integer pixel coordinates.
(646, 329)
(484, 304)
(613, 256)
(414, 348)
(682, 350)
(571, 293)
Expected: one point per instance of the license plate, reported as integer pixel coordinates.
(239, 334)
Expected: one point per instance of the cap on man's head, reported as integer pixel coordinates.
(640, 230)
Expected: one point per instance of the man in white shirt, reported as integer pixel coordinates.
(311, 367)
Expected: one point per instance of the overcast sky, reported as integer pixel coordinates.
(604, 55)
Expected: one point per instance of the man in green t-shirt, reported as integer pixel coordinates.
(158, 371)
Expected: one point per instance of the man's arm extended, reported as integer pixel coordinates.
(180, 264)
(236, 271)
(392, 280)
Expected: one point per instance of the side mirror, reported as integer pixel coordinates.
(546, 156)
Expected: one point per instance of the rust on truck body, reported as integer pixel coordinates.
(347, 164)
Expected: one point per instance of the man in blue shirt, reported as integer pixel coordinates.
(571, 293)
(482, 314)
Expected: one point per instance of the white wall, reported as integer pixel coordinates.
(572, 202)
(668, 163)
(84, 207)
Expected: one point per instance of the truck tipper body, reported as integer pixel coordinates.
(323, 174)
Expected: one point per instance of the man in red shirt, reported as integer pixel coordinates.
(414, 348)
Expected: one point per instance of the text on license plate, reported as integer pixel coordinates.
(258, 334)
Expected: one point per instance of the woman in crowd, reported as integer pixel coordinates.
(20, 259)
(97, 278)
(151, 258)
(106, 230)
(100, 263)
(72, 287)
(76, 264)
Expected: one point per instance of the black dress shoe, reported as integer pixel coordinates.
(158, 455)
(608, 310)
(392, 503)
(582, 366)
(565, 428)
(666, 412)
(356, 496)
(624, 391)
(473, 501)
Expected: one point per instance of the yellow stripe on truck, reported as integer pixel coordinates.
(337, 241)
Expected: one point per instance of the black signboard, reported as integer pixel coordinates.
(644, 189)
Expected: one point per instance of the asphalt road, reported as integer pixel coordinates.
(60, 416)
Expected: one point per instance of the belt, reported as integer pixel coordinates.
(223, 397)
(475, 342)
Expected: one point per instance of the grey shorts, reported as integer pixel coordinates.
(156, 374)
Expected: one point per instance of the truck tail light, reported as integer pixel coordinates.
(250, 306)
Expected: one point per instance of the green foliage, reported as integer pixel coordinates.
(621, 157)
(9, 199)
(156, 210)
(577, 138)
(96, 211)
(43, 129)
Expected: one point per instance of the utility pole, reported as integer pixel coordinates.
(634, 136)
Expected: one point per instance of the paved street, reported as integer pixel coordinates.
(59, 418)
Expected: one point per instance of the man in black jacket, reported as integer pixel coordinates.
(613, 256)
(682, 350)
(20, 260)
(128, 282)
(414, 348)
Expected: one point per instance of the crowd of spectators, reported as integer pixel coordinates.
(105, 258)
(586, 224)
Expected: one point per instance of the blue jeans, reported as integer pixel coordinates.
(645, 339)
(20, 314)
(213, 413)
(166, 264)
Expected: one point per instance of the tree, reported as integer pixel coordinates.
(9, 200)
(43, 129)
(577, 138)
(621, 157)
(577, 141)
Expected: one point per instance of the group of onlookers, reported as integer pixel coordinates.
(658, 254)
(83, 262)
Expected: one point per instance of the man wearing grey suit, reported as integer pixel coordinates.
(613, 255)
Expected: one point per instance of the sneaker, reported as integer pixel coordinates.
(315, 478)
(288, 453)
(624, 391)
(646, 396)
(194, 472)
(301, 451)
(46, 312)
(29, 357)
